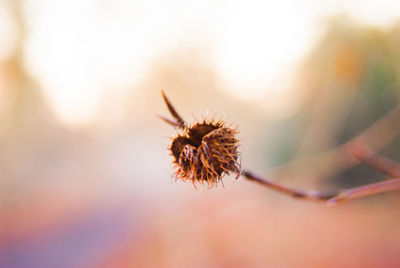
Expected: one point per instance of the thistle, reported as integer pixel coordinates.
(203, 152)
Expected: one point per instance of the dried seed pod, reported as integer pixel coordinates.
(205, 152)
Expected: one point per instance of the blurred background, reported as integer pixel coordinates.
(86, 179)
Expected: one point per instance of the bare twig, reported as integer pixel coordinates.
(330, 198)
(309, 195)
(375, 161)
(370, 189)
(365, 155)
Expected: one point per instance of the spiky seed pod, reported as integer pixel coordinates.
(205, 152)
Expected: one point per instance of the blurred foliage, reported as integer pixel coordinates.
(351, 80)
(57, 183)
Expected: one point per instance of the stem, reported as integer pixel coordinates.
(309, 195)
(169, 121)
(370, 189)
(385, 165)
(330, 198)
(179, 121)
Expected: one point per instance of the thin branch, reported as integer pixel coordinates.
(309, 195)
(330, 198)
(179, 121)
(367, 190)
(375, 161)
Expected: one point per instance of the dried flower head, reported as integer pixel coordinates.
(203, 152)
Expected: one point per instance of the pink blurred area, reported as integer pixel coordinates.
(98, 192)
(243, 226)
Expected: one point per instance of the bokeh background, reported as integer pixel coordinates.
(85, 177)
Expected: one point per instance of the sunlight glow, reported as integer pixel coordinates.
(258, 41)
(102, 49)
(7, 34)
(81, 50)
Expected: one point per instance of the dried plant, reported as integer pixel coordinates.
(207, 150)
(203, 152)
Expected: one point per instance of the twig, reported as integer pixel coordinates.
(370, 189)
(375, 161)
(365, 155)
(330, 198)
(309, 195)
